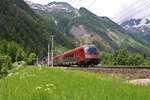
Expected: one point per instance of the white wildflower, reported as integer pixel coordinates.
(47, 89)
(48, 85)
(38, 88)
(16, 73)
(10, 74)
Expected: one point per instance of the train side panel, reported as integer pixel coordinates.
(73, 57)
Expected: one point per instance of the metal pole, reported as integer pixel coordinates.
(48, 55)
(80, 43)
(42, 57)
(37, 60)
(52, 52)
(76, 43)
(42, 60)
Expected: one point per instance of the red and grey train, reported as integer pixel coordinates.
(83, 56)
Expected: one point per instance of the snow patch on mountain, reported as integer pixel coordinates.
(136, 23)
(53, 6)
(139, 27)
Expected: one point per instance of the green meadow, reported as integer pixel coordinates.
(43, 83)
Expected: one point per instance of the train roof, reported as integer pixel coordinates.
(81, 47)
(88, 45)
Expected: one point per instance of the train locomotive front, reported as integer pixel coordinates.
(91, 56)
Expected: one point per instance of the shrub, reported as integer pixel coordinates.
(31, 59)
(19, 65)
(120, 57)
(139, 59)
(146, 62)
(124, 57)
(5, 64)
(105, 58)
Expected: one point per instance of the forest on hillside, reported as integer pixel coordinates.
(24, 35)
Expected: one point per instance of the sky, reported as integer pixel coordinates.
(117, 10)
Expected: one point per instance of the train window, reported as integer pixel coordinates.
(91, 50)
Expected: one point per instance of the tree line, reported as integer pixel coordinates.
(11, 52)
(125, 58)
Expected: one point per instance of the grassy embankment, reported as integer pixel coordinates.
(42, 83)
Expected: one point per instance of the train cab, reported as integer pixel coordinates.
(91, 55)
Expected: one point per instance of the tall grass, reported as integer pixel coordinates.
(42, 83)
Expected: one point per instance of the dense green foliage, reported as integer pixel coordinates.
(11, 52)
(31, 59)
(43, 83)
(23, 34)
(125, 58)
(5, 64)
(105, 58)
(19, 24)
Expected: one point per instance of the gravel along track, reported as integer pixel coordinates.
(133, 72)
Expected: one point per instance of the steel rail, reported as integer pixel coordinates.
(107, 67)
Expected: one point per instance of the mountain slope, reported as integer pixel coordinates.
(20, 24)
(112, 35)
(139, 27)
(86, 27)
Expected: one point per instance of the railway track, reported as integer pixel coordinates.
(125, 67)
(107, 67)
(137, 72)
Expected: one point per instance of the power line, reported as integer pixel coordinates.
(69, 23)
(91, 4)
(135, 12)
(80, 1)
(132, 14)
(127, 10)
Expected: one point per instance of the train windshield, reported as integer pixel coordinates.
(91, 50)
